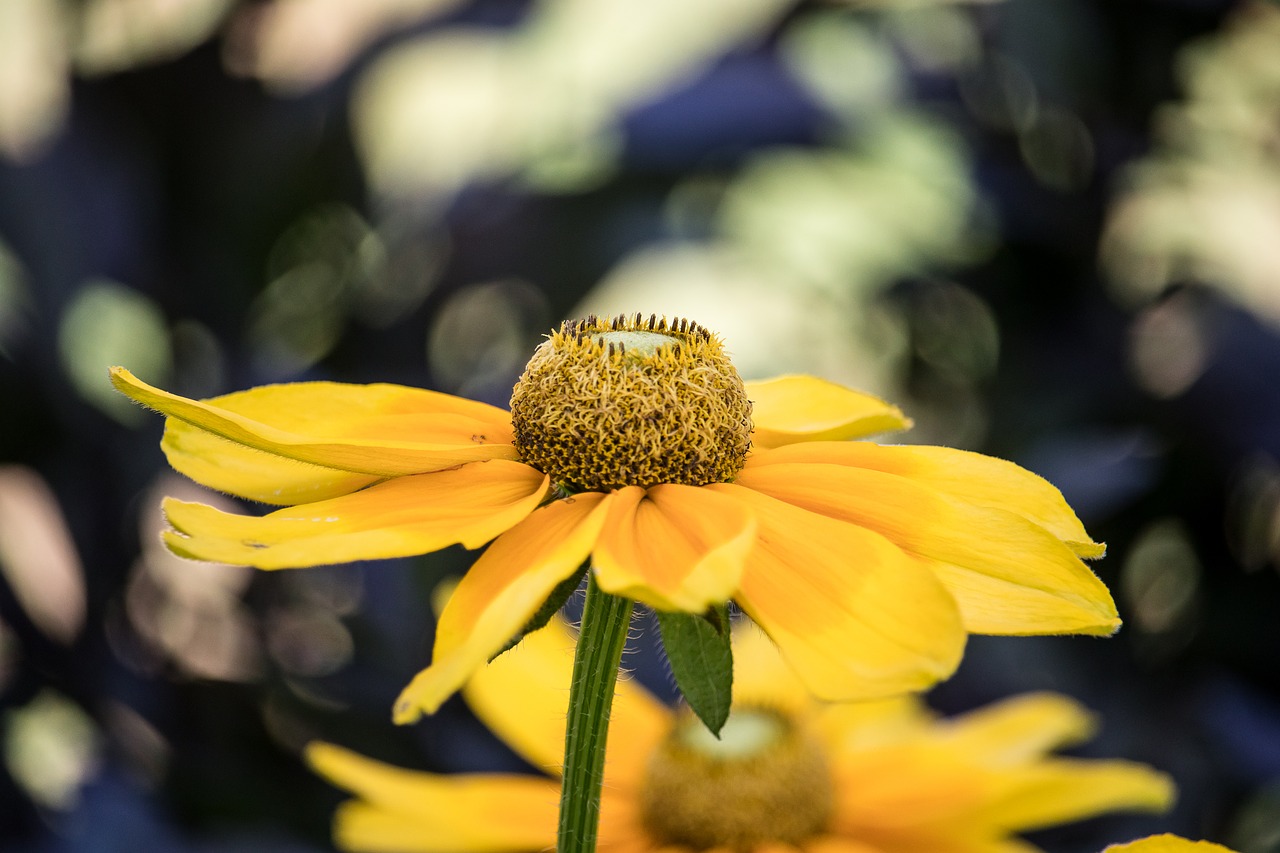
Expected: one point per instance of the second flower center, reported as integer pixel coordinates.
(764, 782)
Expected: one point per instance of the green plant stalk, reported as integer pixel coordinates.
(605, 619)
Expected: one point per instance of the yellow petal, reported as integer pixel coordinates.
(1061, 790)
(621, 824)
(1019, 729)
(854, 616)
(388, 431)
(969, 477)
(253, 474)
(539, 671)
(397, 518)
(1008, 575)
(403, 810)
(870, 725)
(906, 789)
(674, 547)
(1167, 843)
(761, 677)
(501, 592)
(803, 408)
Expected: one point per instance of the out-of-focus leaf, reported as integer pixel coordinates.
(117, 34)
(296, 45)
(1205, 203)
(34, 91)
(105, 324)
(50, 747)
(468, 104)
(37, 557)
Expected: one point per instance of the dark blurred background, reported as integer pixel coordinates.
(1049, 229)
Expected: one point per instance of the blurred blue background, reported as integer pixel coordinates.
(1050, 230)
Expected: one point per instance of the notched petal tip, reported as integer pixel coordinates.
(1088, 550)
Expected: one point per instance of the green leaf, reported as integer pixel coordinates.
(549, 608)
(702, 661)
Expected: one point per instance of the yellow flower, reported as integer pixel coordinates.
(1167, 844)
(634, 443)
(788, 773)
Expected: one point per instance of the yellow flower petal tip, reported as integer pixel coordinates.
(429, 690)
(1088, 550)
(128, 384)
(1167, 843)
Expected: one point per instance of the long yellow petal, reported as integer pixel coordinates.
(391, 432)
(790, 409)
(1060, 790)
(854, 615)
(1008, 575)
(1018, 729)
(403, 810)
(674, 547)
(500, 593)
(1167, 843)
(523, 697)
(397, 518)
(253, 474)
(969, 477)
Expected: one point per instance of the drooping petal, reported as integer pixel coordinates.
(969, 477)
(792, 409)
(1008, 575)
(1061, 790)
(674, 547)
(402, 810)
(501, 592)
(253, 474)
(855, 616)
(388, 430)
(1019, 729)
(539, 671)
(397, 518)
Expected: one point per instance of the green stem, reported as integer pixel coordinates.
(605, 619)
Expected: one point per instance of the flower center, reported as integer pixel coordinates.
(631, 402)
(764, 782)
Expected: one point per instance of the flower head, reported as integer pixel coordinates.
(787, 773)
(633, 444)
(605, 408)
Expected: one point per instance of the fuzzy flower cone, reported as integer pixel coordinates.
(632, 445)
(788, 774)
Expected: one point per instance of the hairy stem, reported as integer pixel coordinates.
(605, 619)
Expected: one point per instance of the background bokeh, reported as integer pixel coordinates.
(1049, 229)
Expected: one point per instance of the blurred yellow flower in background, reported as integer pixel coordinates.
(1167, 844)
(635, 444)
(788, 773)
